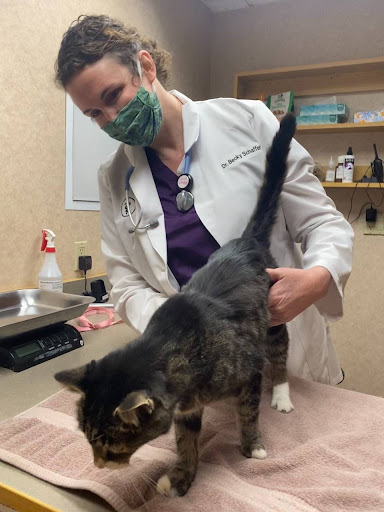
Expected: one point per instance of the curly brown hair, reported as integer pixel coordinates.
(90, 38)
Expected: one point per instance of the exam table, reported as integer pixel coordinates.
(328, 454)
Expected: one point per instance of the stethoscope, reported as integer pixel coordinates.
(184, 198)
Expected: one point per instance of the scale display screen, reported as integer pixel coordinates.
(27, 349)
(21, 352)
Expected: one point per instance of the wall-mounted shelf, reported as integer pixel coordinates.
(361, 75)
(359, 172)
(353, 76)
(340, 128)
(330, 184)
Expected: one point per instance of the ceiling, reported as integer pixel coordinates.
(232, 5)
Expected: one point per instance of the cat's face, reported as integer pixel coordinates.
(116, 430)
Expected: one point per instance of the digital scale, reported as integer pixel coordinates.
(33, 328)
(26, 350)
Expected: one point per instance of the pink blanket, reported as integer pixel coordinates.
(327, 455)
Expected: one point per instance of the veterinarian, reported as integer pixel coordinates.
(158, 228)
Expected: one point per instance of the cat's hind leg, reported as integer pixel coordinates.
(278, 342)
(248, 411)
(180, 477)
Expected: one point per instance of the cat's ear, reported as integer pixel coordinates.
(72, 379)
(132, 403)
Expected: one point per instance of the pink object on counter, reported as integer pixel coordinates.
(86, 325)
(326, 455)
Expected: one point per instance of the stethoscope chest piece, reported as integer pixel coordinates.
(184, 201)
(184, 198)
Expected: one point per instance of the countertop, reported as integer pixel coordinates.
(21, 391)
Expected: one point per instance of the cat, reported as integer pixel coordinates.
(208, 342)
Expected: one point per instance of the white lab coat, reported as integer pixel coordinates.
(229, 139)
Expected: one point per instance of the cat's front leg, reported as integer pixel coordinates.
(180, 477)
(248, 410)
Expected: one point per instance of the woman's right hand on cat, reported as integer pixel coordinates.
(294, 290)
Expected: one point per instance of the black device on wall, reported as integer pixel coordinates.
(377, 166)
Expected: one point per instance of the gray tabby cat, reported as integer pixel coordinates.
(208, 342)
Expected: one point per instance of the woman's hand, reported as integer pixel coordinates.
(294, 290)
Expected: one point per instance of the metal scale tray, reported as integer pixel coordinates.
(22, 311)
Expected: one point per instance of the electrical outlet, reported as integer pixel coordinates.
(80, 250)
(375, 228)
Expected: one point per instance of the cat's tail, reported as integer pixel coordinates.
(264, 216)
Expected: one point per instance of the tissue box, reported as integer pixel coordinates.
(320, 119)
(372, 116)
(340, 109)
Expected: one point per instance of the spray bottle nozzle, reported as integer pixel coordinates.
(47, 243)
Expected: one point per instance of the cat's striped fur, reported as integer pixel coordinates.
(208, 342)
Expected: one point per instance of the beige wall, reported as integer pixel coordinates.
(293, 32)
(32, 128)
(300, 32)
(32, 114)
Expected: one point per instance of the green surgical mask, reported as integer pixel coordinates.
(138, 123)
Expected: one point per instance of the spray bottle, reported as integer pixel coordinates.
(50, 277)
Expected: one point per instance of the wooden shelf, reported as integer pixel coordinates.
(330, 184)
(340, 128)
(353, 76)
(327, 78)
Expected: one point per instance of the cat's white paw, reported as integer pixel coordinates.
(259, 453)
(280, 398)
(164, 487)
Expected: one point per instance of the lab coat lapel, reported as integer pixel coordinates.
(215, 224)
(191, 122)
(214, 213)
(144, 190)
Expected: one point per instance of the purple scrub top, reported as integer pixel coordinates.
(189, 243)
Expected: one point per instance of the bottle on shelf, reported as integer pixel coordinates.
(331, 171)
(339, 169)
(349, 165)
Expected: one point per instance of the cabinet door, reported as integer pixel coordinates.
(87, 147)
